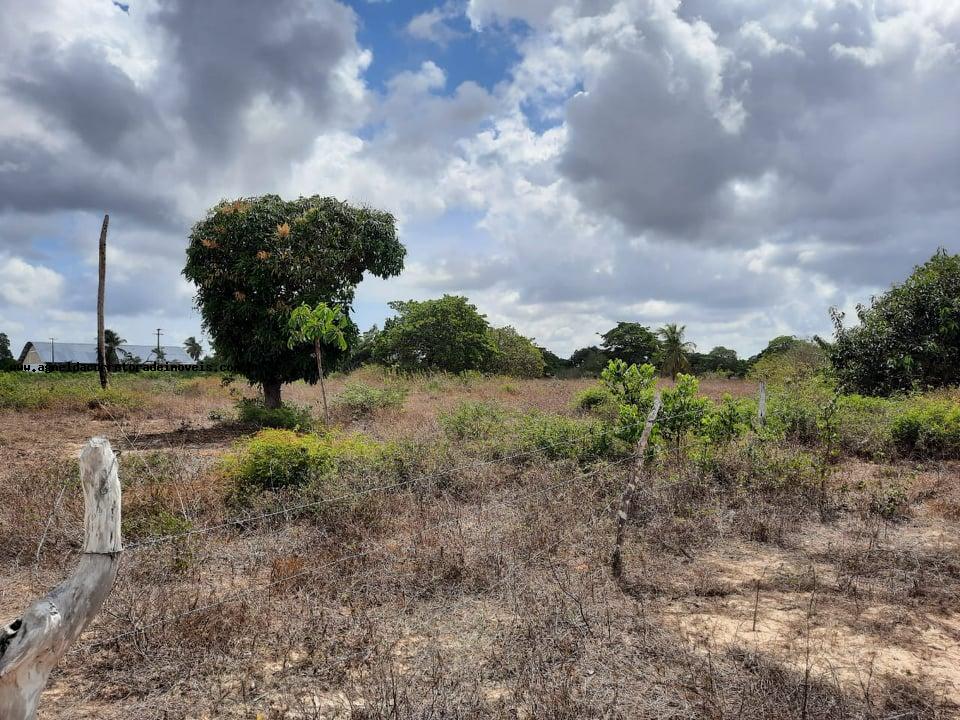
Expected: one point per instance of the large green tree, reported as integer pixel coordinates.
(589, 360)
(907, 338)
(7, 361)
(631, 342)
(719, 359)
(515, 354)
(443, 334)
(674, 350)
(255, 259)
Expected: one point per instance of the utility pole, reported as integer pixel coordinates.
(101, 341)
(158, 345)
(53, 354)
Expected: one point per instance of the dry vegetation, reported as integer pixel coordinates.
(478, 587)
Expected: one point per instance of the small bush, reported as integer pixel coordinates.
(727, 421)
(474, 421)
(286, 417)
(560, 437)
(360, 399)
(282, 459)
(890, 502)
(794, 416)
(865, 426)
(153, 520)
(595, 399)
(276, 459)
(683, 410)
(928, 427)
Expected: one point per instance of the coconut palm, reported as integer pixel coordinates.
(111, 341)
(193, 348)
(673, 350)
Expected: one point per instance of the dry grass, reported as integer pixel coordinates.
(484, 592)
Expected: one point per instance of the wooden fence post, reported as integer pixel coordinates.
(762, 405)
(32, 645)
(630, 491)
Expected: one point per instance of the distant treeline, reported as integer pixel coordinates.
(636, 343)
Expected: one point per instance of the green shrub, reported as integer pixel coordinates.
(889, 502)
(727, 421)
(152, 520)
(360, 399)
(560, 437)
(682, 410)
(474, 421)
(286, 417)
(513, 354)
(778, 469)
(928, 427)
(633, 388)
(276, 459)
(793, 416)
(865, 426)
(594, 399)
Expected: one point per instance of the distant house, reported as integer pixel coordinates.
(35, 354)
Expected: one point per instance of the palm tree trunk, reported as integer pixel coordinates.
(102, 359)
(323, 389)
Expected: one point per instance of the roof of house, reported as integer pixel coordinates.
(87, 352)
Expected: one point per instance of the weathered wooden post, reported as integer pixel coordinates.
(32, 645)
(630, 491)
(762, 405)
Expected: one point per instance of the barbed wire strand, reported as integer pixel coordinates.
(352, 556)
(247, 519)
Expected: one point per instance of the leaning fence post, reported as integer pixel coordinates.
(762, 405)
(630, 491)
(31, 645)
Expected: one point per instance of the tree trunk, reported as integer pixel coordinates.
(31, 646)
(101, 345)
(271, 394)
(323, 389)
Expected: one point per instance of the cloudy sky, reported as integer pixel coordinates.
(735, 165)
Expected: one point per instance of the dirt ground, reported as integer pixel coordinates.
(487, 595)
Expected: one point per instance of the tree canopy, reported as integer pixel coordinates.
(589, 360)
(515, 354)
(7, 361)
(442, 334)
(907, 338)
(631, 342)
(719, 360)
(255, 259)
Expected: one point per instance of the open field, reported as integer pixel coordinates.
(456, 566)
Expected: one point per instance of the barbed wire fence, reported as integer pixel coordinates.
(137, 632)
